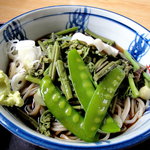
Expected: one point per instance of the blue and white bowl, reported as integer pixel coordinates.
(127, 33)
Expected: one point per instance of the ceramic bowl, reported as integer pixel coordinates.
(127, 33)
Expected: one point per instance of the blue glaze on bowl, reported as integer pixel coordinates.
(139, 46)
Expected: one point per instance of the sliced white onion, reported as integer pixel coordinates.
(97, 43)
(81, 37)
(25, 43)
(18, 80)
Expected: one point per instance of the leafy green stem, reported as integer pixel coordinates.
(135, 92)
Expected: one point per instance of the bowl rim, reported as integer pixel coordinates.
(42, 8)
(51, 144)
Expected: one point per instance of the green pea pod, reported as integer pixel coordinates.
(82, 83)
(80, 77)
(63, 111)
(101, 100)
(109, 125)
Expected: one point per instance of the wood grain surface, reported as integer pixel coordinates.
(137, 10)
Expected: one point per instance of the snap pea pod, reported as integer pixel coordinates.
(98, 106)
(109, 125)
(81, 78)
(63, 111)
(64, 79)
(83, 86)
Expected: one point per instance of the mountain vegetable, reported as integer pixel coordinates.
(64, 79)
(44, 123)
(135, 64)
(135, 92)
(70, 30)
(55, 56)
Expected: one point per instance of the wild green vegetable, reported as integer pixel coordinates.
(146, 76)
(135, 64)
(64, 79)
(44, 123)
(42, 46)
(55, 56)
(106, 69)
(32, 79)
(135, 92)
(70, 30)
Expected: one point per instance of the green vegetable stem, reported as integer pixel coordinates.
(146, 76)
(135, 92)
(64, 79)
(55, 57)
(106, 69)
(42, 46)
(105, 40)
(66, 31)
(144, 92)
(135, 64)
(32, 79)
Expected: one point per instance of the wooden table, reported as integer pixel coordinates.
(138, 10)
